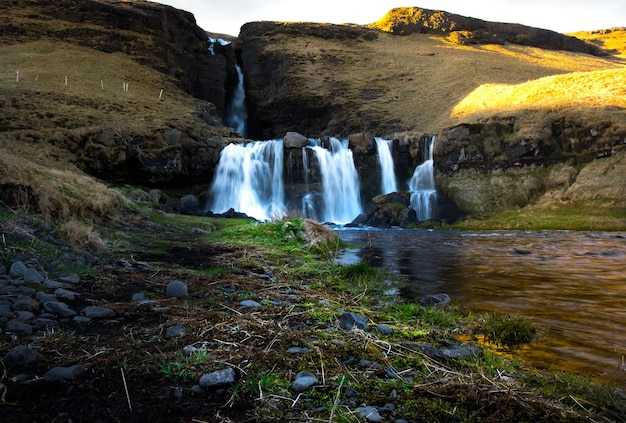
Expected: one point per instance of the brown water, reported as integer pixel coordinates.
(572, 285)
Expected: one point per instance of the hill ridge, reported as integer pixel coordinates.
(467, 30)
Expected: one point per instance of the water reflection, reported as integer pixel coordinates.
(572, 284)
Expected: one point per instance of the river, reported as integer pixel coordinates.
(572, 285)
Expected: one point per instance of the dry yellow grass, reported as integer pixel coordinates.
(612, 39)
(57, 193)
(589, 89)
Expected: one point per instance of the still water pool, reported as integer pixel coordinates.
(572, 285)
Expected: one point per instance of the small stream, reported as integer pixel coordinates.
(572, 285)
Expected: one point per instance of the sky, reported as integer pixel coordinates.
(227, 16)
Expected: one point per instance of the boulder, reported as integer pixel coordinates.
(295, 140)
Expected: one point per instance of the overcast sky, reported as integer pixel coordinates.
(227, 16)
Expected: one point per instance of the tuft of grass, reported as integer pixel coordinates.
(359, 272)
(82, 235)
(186, 365)
(508, 331)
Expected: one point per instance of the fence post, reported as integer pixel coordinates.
(17, 76)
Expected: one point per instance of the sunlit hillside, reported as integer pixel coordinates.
(594, 89)
(612, 39)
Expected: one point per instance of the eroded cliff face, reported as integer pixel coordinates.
(486, 168)
(287, 89)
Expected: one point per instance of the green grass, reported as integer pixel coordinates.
(508, 331)
(575, 217)
(186, 365)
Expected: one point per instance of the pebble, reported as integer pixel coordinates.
(435, 300)
(71, 278)
(18, 328)
(303, 381)
(17, 269)
(94, 312)
(20, 356)
(65, 373)
(65, 294)
(59, 309)
(249, 304)
(50, 284)
(369, 413)
(384, 329)
(349, 320)
(26, 304)
(218, 378)
(32, 275)
(175, 331)
(176, 289)
(299, 350)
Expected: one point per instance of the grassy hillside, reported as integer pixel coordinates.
(415, 82)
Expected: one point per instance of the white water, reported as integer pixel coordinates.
(213, 41)
(340, 180)
(387, 172)
(249, 179)
(236, 116)
(422, 186)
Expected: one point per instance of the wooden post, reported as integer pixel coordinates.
(102, 84)
(161, 94)
(17, 76)
(66, 80)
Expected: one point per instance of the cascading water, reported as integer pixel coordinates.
(422, 185)
(340, 181)
(385, 160)
(249, 179)
(236, 116)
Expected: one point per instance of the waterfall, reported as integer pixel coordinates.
(249, 179)
(213, 41)
(236, 116)
(422, 185)
(340, 182)
(385, 160)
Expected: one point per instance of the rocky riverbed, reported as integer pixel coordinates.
(174, 328)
